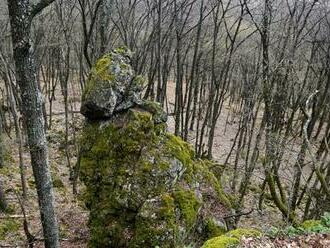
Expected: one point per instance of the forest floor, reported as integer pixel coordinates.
(73, 216)
(302, 241)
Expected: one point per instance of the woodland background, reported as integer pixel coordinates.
(246, 82)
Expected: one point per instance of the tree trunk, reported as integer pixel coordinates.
(20, 19)
(3, 202)
(2, 150)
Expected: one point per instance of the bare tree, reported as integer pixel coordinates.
(21, 14)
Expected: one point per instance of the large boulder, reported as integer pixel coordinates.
(143, 186)
(112, 86)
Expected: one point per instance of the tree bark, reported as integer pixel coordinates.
(2, 150)
(3, 202)
(21, 15)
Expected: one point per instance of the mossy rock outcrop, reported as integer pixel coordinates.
(232, 238)
(143, 186)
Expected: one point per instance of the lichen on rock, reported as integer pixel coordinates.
(112, 86)
(143, 186)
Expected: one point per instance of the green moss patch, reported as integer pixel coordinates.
(231, 238)
(310, 224)
(179, 149)
(58, 183)
(188, 204)
(244, 232)
(221, 242)
(314, 226)
(8, 226)
(214, 230)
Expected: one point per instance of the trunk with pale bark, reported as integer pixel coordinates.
(21, 14)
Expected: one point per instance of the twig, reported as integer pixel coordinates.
(239, 214)
(16, 216)
(62, 113)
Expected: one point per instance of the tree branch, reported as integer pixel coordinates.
(37, 8)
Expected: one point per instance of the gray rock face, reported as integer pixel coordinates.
(112, 86)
